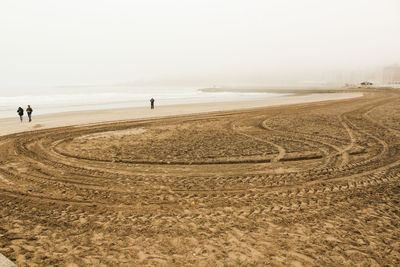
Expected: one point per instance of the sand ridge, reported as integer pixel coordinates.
(301, 185)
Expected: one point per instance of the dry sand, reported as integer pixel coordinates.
(312, 184)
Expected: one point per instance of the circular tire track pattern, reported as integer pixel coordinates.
(312, 184)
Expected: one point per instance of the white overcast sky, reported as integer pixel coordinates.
(95, 41)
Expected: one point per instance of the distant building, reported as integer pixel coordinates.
(391, 74)
(366, 84)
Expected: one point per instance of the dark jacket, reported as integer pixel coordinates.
(20, 111)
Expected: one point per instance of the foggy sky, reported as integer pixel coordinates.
(205, 41)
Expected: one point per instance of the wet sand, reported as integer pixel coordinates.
(12, 125)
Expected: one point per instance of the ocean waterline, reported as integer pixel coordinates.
(89, 99)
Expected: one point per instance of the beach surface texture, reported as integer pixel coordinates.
(313, 183)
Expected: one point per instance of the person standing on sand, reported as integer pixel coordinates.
(152, 103)
(20, 112)
(29, 112)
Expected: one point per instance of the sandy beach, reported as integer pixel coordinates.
(314, 183)
(12, 125)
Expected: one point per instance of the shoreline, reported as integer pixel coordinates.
(79, 118)
(295, 91)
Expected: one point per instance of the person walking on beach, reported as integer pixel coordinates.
(152, 103)
(20, 112)
(29, 112)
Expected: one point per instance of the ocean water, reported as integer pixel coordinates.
(94, 98)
